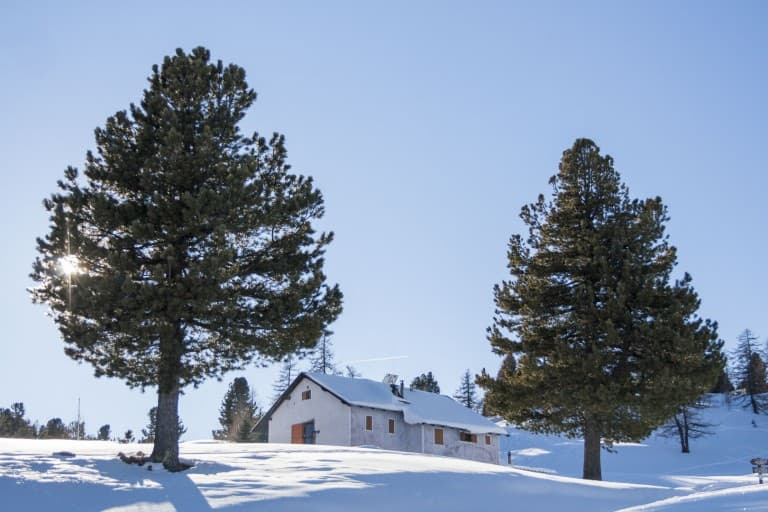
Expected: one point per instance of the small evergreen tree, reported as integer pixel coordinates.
(76, 430)
(749, 372)
(104, 433)
(54, 429)
(14, 424)
(466, 395)
(723, 384)
(321, 360)
(6, 423)
(756, 374)
(687, 424)
(288, 372)
(426, 382)
(128, 437)
(150, 431)
(238, 413)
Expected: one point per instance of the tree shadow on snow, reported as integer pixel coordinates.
(102, 484)
(427, 491)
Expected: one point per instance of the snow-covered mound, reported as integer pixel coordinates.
(651, 476)
(737, 437)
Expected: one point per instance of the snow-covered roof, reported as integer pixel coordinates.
(416, 406)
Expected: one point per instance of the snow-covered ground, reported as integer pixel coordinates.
(650, 476)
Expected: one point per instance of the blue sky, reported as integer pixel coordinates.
(427, 125)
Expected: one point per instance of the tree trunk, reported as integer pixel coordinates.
(682, 431)
(592, 469)
(166, 449)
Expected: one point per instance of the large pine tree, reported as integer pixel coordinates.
(187, 250)
(607, 346)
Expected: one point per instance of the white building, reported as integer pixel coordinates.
(335, 410)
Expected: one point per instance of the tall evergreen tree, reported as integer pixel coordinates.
(187, 250)
(426, 382)
(238, 413)
(749, 372)
(606, 345)
(321, 361)
(466, 395)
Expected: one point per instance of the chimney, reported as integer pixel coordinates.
(402, 390)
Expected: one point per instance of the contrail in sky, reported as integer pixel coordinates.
(375, 359)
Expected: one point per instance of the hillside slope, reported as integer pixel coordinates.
(253, 477)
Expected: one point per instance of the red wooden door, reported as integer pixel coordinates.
(297, 433)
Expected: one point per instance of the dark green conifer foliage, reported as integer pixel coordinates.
(607, 345)
(193, 243)
(426, 382)
(238, 413)
(14, 424)
(104, 433)
(54, 429)
(723, 384)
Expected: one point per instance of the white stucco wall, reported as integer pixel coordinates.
(453, 447)
(406, 437)
(331, 416)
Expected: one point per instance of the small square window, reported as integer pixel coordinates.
(391, 426)
(369, 423)
(467, 437)
(438, 436)
(306, 395)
